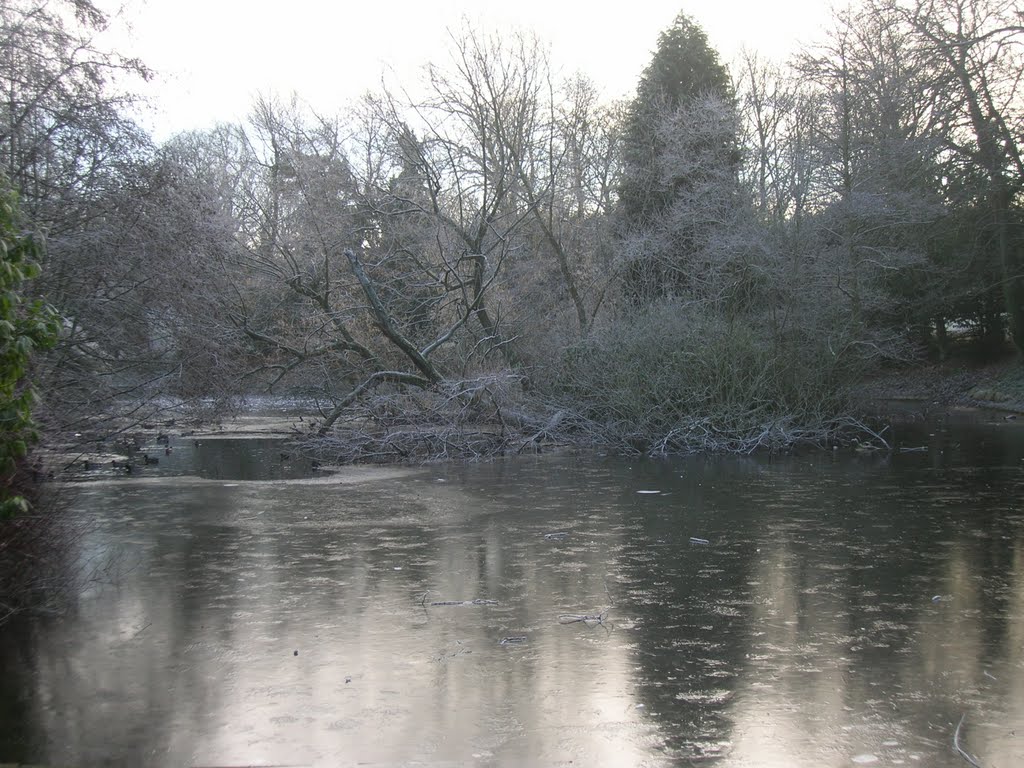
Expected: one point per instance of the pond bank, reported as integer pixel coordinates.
(955, 383)
(896, 395)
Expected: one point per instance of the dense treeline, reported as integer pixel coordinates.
(503, 258)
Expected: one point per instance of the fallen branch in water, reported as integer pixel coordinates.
(956, 743)
(492, 415)
(574, 618)
(478, 601)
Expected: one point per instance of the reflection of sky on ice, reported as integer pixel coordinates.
(803, 634)
(861, 669)
(380, 678)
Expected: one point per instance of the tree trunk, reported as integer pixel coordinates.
(1013, 288)
(941, 338)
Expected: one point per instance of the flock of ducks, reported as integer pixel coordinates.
(128, 465)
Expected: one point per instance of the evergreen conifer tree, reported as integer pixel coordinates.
(685, 67)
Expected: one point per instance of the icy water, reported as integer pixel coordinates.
(820, 610)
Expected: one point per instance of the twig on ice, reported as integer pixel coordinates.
(956, 743)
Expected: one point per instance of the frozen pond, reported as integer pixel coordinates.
(819, 610)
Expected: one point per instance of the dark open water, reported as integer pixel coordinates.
(846, 610)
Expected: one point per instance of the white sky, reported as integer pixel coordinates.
(213, 56)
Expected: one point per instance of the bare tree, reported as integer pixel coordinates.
(878, 147)
(375, 254)
(465, 181)
(777, 116)
(540, 150)
(977, 49)
(358, 274)
(124, 227)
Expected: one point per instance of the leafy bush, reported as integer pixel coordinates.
(25, 325)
